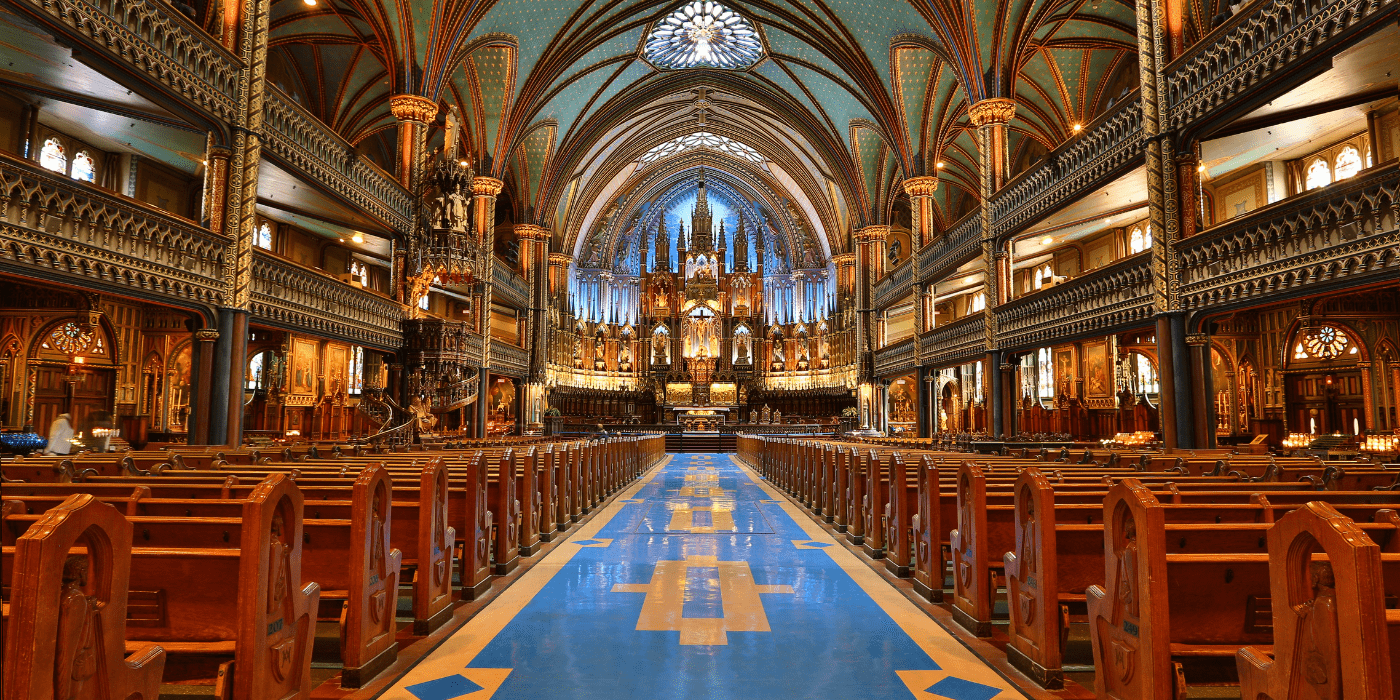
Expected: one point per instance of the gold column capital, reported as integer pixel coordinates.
(560, 259)
(206, 335)
(873, 233)
(413, 108)
(844, 259)
(531, 232)
(1197, 339)
(483, 186)
(921, 186)
(995, 110)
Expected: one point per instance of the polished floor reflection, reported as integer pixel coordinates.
(701, 582)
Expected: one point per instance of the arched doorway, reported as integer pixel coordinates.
(72, 369)
(1324, 389)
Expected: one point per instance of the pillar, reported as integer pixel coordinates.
(414, 113)
(225, 399)
(921, 397)
(991, 116)
(1008, 392)
(215, 206)
(199, 420)
(484, 191)
(1202, 390)
(920, 190)
(869, 267)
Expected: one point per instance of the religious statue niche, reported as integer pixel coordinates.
(624, 354)
(660, 346)
(804, 361)
(447, 247)
(600, 343)
(901, 403)
(743, 345)
(779, 357)
(701, 333)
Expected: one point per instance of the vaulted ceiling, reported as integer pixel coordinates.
(851, 95)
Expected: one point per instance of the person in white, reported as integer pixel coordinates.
(60, 436)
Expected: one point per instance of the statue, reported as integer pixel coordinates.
(75, 658)
(659, 351)
(421, 411)
(743, 353)
(624, 360)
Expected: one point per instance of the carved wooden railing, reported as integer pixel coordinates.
(151, 40)
(894, 285)
(57, 227)
(960, 341)
(288, 295)
(1343, 234)
(895, 358)
(1099, 302)
(1268, 39)
(509, 359)
(1105, 149)
(960, 244)
(297, 137)
(510, 286)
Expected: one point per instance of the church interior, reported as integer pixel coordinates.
(945, 349)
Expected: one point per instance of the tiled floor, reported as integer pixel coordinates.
(700, 582)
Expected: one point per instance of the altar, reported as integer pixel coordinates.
(699, 419)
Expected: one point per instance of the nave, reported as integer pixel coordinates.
(701, 580)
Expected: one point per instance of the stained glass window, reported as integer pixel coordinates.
(83, 167)
(1144, 375)
(1325, 343)
(702, 139)
(1319, 175)
(264, 239)
(68, 338)
(1348, 163)
(254, 380)
(53, 156)
(703, 34)
(1045, 387)
(355, 372)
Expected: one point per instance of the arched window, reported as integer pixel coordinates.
(1348, 163)
(979, 302)
(1319, 175)
(1037, 279)
(1144, 375)
(1136, 241)
(54, 156)
(1325, 343)
(83, 167)
(354, 373)
(1045, 384)
(254, 380)
(264, 238)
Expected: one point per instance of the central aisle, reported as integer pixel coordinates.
(700, 581)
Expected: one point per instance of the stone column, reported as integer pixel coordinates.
(1203, 391)
(991, 116)
(869, 267)
(920, 190)
(414, 113)
(484, 191)
(534, 251)
(200, 404)
(215, 208)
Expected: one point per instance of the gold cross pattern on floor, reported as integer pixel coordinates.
(683, 520)
(670, 586)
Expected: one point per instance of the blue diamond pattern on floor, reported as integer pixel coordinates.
(444, 688)
(587, 542)
(959, 689)
(816, 544)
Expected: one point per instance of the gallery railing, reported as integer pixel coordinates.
(1099, 302)
(289, 295)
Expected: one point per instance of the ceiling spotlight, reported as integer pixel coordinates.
(462, 163)
(940, 165)
(310, 3)
(1047, 240)
(1077, 127)
(358, 237)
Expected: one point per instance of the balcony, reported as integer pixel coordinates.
(1339, 236)
(1100, 302)
(57, 228)
(1232, 69)
(296, 137)
(293, 297)
(895, 285)
(1105, 149)
(962, 340)
(894, 359)
(509, 286)
(150, 40)
(509, 359)
(958, 245)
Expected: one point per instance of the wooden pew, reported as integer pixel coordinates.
(66, 630)
(1330, 608)
(505, 505)
(1164, 616)
(367, 620)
